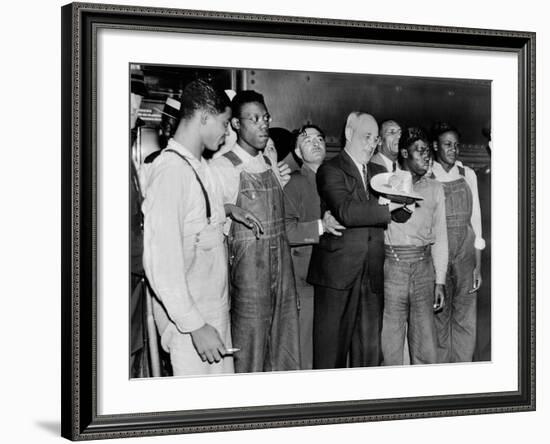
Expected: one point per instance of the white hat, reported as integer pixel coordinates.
(395, 186)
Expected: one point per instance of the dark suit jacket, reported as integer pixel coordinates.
(302, 208)
(302, 214)
(336, 262)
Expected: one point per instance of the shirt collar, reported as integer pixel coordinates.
(244, 156)
(307, 171)
(388, 162)
(176, 146)
(439, 171)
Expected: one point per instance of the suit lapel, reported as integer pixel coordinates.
(349, 167)
(377, 159)
(375, 168)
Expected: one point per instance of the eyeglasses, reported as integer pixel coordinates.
(372, 139)
(450, 145)
(392, 132)
(256, 119)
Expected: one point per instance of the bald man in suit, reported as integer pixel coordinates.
(347, 279)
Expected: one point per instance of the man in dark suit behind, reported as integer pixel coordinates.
(347, 280)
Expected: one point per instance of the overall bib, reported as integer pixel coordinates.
(264, 304)
(456, 323)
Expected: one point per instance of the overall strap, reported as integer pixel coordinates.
(138, 192)
(205, 194)
(233, 158)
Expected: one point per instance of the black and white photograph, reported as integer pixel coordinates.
(274, 221)
(302, 221)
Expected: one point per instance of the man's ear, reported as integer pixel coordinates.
(235, 123)
(204, 117)
(435, 145)
(348, 132)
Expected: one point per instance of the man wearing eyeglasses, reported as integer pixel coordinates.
(264, 306)
(347, 280)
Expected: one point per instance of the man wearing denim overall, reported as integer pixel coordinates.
(264, 304)
(456, 323)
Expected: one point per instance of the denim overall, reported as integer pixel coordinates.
(264, 304)
(456, 323)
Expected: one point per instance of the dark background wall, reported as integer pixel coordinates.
(296, 97)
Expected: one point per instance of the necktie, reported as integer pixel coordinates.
(393, 166)
(366, 179)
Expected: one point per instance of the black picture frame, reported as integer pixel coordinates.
(80, 23)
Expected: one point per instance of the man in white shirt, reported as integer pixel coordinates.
(184, 253)
(456, 323)
(264, 306)
(388, 146)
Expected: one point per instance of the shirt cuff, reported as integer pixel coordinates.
(479, 243)
(440, 277)
(321, 229)
(190, 321)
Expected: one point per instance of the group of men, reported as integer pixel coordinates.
(255, 269)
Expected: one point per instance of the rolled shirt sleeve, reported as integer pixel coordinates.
(471, 179)
(440, 247)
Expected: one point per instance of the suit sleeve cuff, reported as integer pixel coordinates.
(440, 277)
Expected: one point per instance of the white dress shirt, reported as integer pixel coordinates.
(359, 167)
(388, 163)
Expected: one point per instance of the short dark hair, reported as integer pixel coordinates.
(439, 128)
(244, 97)
(201, 95)
(409, 137)
(307, 126)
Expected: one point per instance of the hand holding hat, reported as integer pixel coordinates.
(395, 187)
